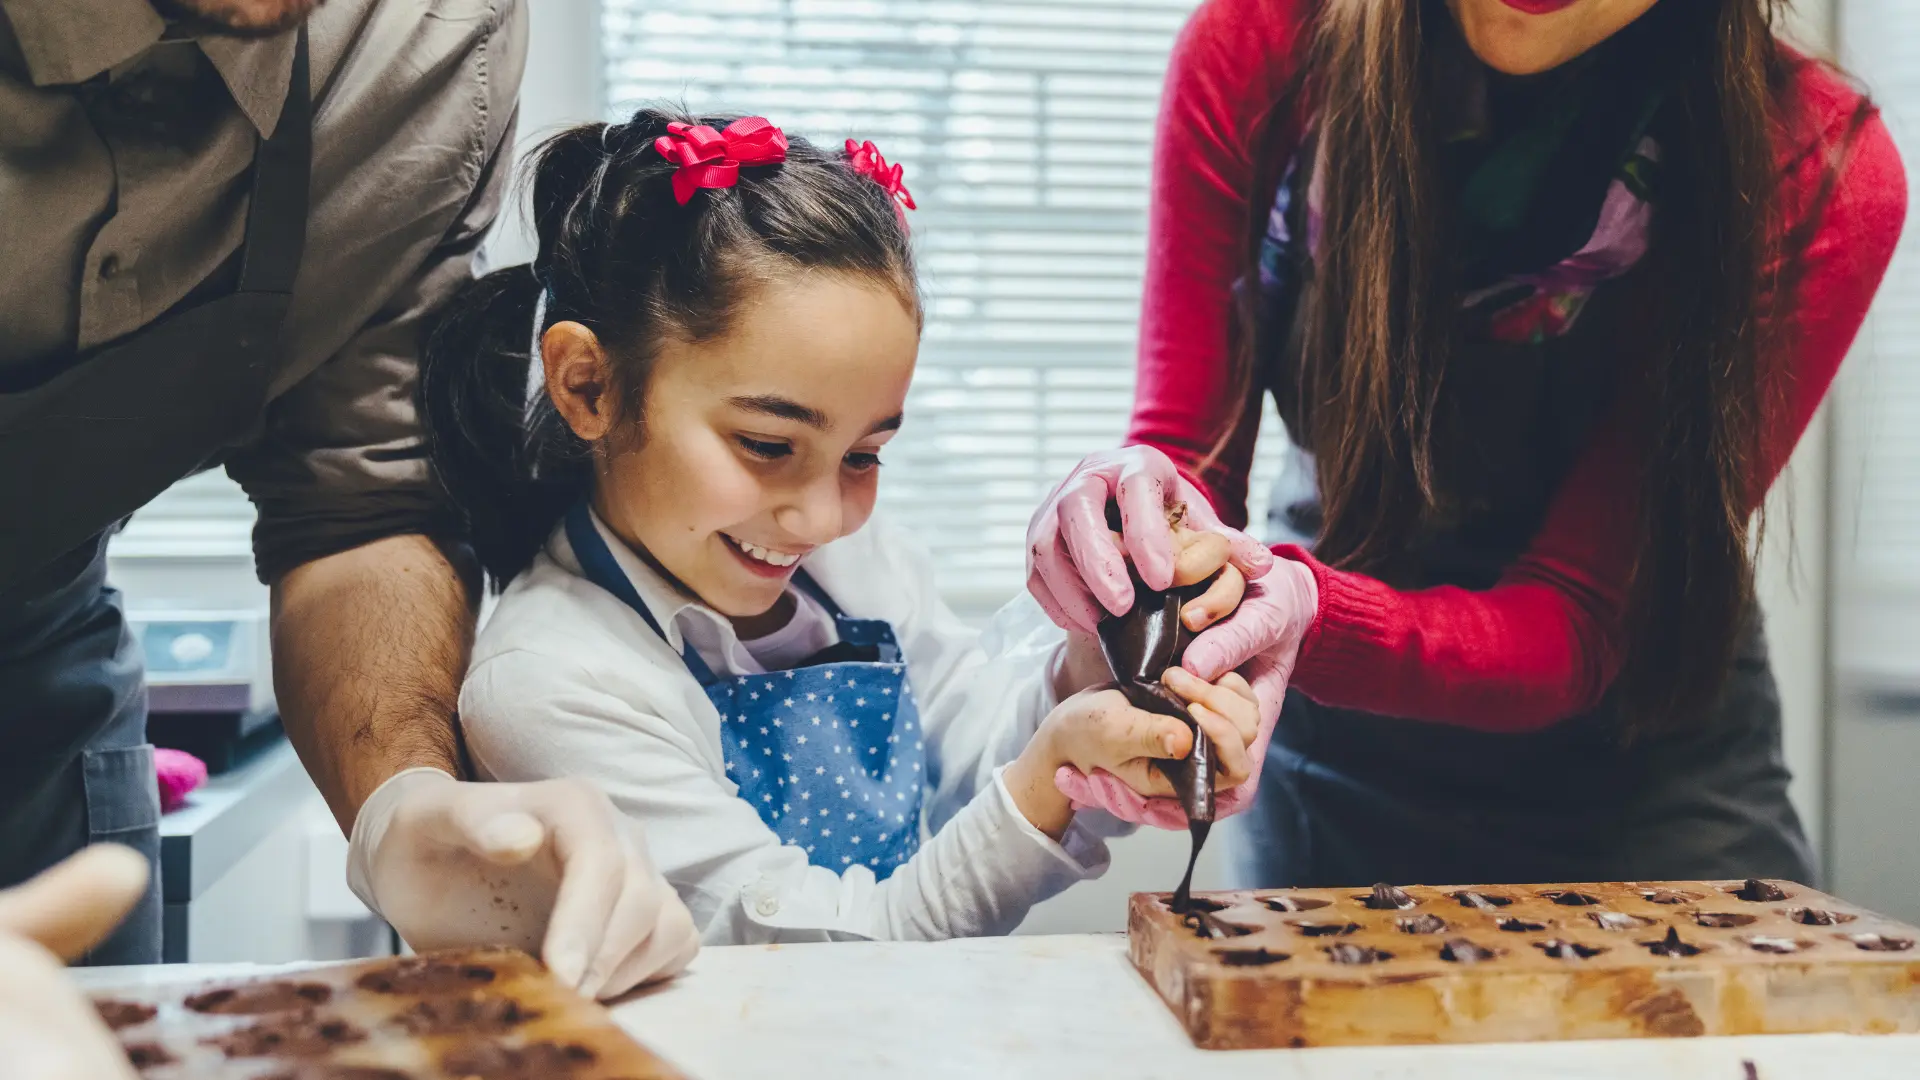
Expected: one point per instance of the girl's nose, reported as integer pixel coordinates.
(814, 515)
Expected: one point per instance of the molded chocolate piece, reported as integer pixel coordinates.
(1569, 898)
(148, 1055)
(1207, 925)
(1777, 945)
(118, 1015)
(257, 999)
(1756, 891)
(1482, 901)
(1348, 953)
(1668, 896)
(1672, 945)
(297, 1035)
(1880, 942)
(1567, 950)
(1294, 903)
(1461, 951)
(1812, 916)
(424, 975)
(1617, 920)
(1421, 924)
(1385, 897)
(1260, 957)
(1721, 920)
(1521, 926)
(1327, 929)
(535, 1061)
(482, 1014)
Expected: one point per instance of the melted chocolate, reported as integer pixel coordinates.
(1881, 942)
(1521, 926)
(535, 1061)
(318, 1071)
(1617, 920)
(1349, 953)
(1778, 945)
(1385, 897)
(1139, 647)
(424, 975)
(148, 1055)
(1569, 898)
(1668, 896)
(297, 1035)
(1813, 916)
(123, 1014)
(1760, 892)
(257, 999)
(1197, 903)
(474, 1014)
(1482, 901)
(1260, 957)
(1461, 951)
(1567, 950)
(1205, 924)
(1672, 945)
(1721, 920)
(1422, 924)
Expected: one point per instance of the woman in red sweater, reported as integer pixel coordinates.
(1545, 292)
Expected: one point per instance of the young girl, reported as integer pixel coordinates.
(697, 619)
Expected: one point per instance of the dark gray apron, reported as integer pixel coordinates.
(1349, 797)
(84, 442)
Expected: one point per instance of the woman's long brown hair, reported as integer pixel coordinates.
(1375, 330)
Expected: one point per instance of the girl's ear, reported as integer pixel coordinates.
(579, 379)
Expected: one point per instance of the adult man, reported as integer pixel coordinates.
(224, 225)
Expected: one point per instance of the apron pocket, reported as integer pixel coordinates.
(123, 795)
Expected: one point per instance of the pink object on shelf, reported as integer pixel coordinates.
(179, 773)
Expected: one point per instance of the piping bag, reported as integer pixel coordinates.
(1139, 646)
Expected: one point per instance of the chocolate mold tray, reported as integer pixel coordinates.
(473, 1015)
(1516, 963)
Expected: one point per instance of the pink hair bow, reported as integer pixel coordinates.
(866, 160)
(712, 159)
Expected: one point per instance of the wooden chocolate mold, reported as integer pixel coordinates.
(477, 1015)
(1516, 963)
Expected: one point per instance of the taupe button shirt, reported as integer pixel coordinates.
(126, 144)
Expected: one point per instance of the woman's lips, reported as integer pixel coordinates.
(1539, 7)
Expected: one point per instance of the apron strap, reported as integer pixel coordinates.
(282, 171)
(600, 567)
(812, 588)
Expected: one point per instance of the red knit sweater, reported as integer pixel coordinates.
(1544, 643)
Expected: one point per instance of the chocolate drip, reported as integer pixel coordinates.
(1139, 647)
(1387, 897)
(1757, 891)
(1671, 945)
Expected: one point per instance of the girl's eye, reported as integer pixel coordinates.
(760, 448)
(861, 461)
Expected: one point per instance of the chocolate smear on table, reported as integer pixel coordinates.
(1139, 647)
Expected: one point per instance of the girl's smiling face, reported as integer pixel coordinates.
(754, 447)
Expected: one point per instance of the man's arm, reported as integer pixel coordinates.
(369, 647)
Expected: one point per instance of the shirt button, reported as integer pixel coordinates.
(767, 906)
(110, 267)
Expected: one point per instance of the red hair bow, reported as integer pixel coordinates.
(712, 159)
(866, 160)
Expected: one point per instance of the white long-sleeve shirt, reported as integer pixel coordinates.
(568, 681)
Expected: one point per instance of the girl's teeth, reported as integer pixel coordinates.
(772, 558)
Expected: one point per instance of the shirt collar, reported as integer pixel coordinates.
(70, 41)
(666, 602)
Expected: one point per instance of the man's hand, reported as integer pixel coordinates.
(548, 867)
(48, 1031)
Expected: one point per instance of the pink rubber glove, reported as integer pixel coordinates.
(1262, 640)
(1074, 569)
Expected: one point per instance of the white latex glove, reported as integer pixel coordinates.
(48, 1029)
(549, 867)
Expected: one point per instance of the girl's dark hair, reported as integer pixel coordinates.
(1375, 332)
(618, 254)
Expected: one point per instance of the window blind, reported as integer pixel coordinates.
(1025, 127)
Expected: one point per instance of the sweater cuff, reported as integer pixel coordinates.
(1349, 628)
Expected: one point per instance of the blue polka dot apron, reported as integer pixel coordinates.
(830, 752)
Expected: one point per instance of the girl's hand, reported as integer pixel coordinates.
(1228, 713)
(1095, 729)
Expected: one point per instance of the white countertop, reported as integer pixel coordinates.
(1072, 1008)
